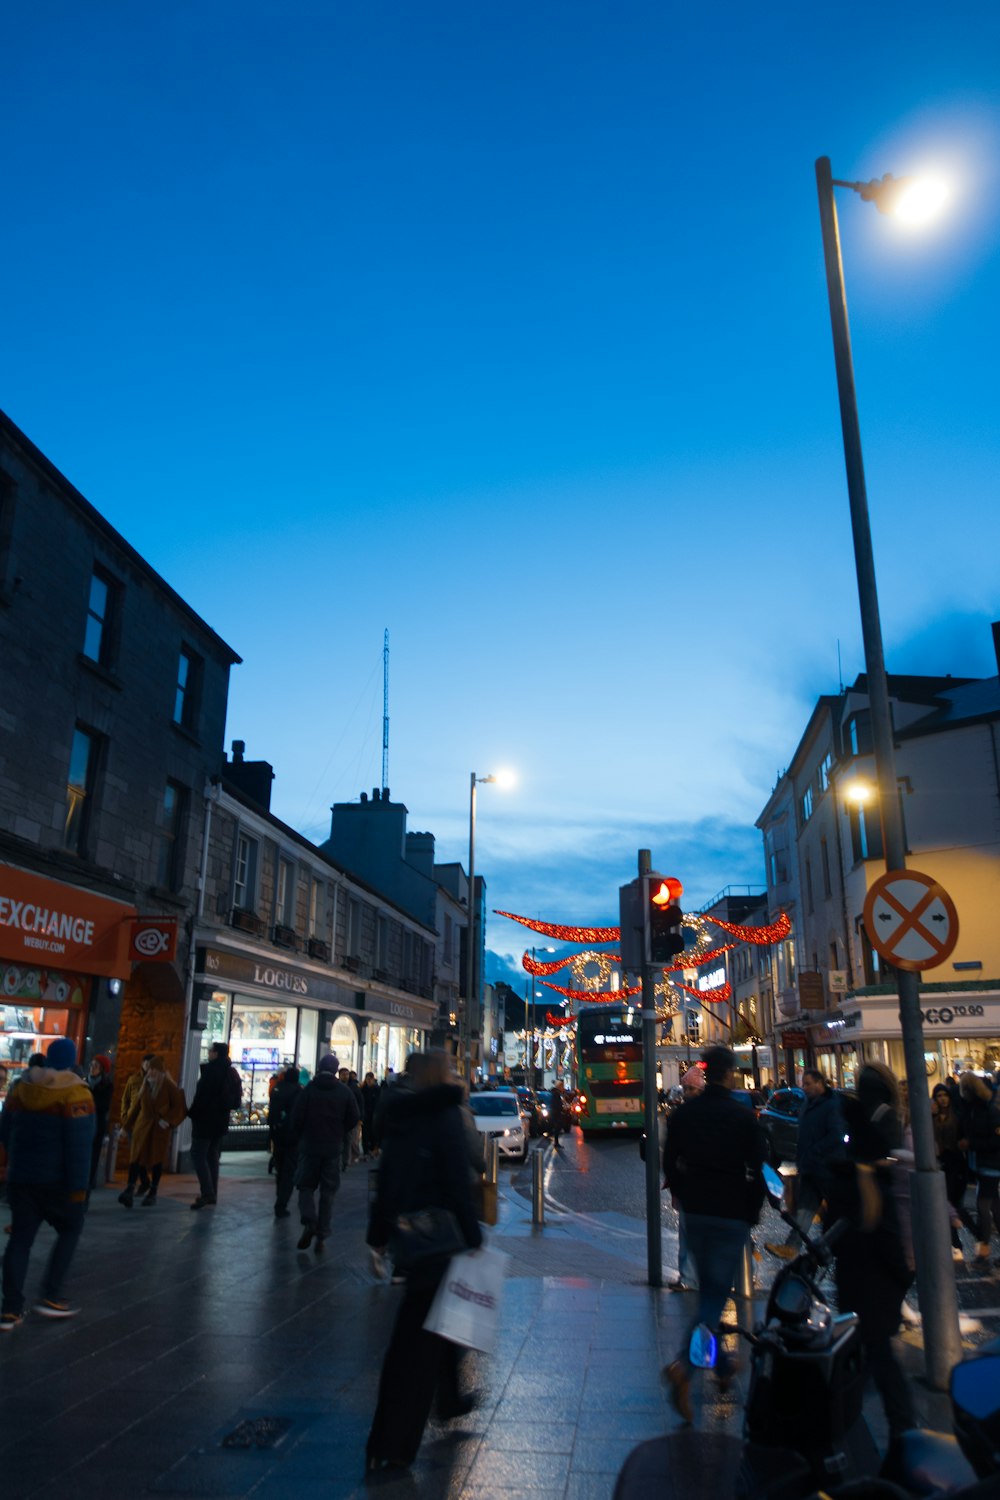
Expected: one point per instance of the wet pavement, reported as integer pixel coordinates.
(204, 1334)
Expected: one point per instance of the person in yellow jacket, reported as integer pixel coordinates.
(160, 1106)
(130, 1094)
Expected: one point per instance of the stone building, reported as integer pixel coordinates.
(112, 706)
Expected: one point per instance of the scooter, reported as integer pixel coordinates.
(804, 1430)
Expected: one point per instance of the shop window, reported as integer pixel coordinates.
(262, 1040)
(168, 836)
(80, 786)
(39, 1005)
(308, 1043)
(188, 689)
(245, 873)
(216, 1022)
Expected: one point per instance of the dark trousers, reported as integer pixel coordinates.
(892, 1385)
(95, 1153)
(417, 1365)
(137, 1170)
(33, 1205)
(323, 1172)
(285, 1159)
(988, 1207)
(205, 1152)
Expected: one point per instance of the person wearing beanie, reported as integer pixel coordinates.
(324, 1115)
(47, 1130)
(219, 1091)
(159, 1108)
(693, 1082)
(101, 1088)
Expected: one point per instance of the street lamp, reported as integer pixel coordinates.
(935, 1270)
(504, 778)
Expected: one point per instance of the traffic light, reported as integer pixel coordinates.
(664, 918)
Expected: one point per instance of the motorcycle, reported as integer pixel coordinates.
(804, 1430)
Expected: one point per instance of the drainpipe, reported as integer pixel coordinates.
(211, 795)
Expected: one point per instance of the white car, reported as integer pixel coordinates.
(499, 1116)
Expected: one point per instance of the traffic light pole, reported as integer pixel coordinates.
(654, 1247)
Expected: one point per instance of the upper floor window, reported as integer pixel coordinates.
(354, 929)
(449, 938)
(825, 856)
(98, 636)
(807, 804)
(80, 788)
(286, 893)
(188, 689)
(859, 732)
(382, 942)
(168, 837)
(866, 833)
(823, 772)
(245, 873)
(317, 907)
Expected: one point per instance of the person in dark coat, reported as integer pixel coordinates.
(323, 1117)
(875, 1255)
(215, 1096)
(424, 1164)
(349, 1149)
(713, 1159)
(951, 1160)
(369, 1102)
(101, 1088)
(284, 1146)
(557, 1115)
(981, 1139)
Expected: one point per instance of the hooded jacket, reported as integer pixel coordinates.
(47, 1128)
(282, 1105)
(209, 1111)
(323, 1114)
(821, 1134)
(425, 1162)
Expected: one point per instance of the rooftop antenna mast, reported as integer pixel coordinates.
(385, 714)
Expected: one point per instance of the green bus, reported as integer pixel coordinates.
(609, 1067)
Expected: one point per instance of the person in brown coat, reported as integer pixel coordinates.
(158, 1107)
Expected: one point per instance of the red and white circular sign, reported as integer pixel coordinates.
(910, 920)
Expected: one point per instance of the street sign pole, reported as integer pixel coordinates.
(654, 1246)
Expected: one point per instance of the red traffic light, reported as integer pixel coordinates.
(668, 890)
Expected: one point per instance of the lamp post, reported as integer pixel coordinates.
(935, 1270)
(529, 1023)
(504, 779)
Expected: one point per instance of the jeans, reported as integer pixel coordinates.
(715, 1245)
(32, 1205)
(314, 1172)
(205, 1152)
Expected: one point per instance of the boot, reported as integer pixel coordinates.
(149, 1199)
(127, 1198)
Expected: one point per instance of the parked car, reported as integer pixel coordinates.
(780, 1119)
(529, 1109)
(498, 1115)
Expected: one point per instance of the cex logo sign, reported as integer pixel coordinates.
(154, 939)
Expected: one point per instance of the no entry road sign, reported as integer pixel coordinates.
(911, 920)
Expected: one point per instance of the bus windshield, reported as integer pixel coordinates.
(609, 1039)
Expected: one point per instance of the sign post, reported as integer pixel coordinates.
(654, 1242)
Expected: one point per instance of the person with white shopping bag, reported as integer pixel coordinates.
(424, 1212)
(466, 1308)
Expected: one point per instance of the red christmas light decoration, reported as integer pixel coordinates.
(538, 966)
(594, 997)
(693, 959)
(559, 1021)
(762, 935)
(723, 992)
(565, 934)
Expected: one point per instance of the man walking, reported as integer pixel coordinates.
(219, 1091)
(820, 1146)
(350, 1081)
(283, 1145)
(557, 1115)
(712, 1161)
(47, 1129)
(324, 1116)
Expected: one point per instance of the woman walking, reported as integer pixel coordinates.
(981, 1138)
(424, 1165)
(951, 1160)
(159, 1107)
(100, 1085)
(369, 1099)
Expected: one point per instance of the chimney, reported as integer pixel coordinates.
(252, 777)
(239, 746)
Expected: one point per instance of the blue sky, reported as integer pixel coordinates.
(504, 328)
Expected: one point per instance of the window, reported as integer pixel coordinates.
(381, 942)
(354, 929)
(285, 914)
(80, 788)
(825, 856)
(823, 772)
(102, 609)
(168, 836)
(833, 956)
(245, 873)
(809, 886)
(449, 938)
(866, 834)
(807, 804)
(317, 908)
(188, 689)
(859, 732)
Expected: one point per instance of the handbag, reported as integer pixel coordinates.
(466, 1306)
(422, 1235)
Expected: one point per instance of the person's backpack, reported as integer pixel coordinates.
(233, 1090)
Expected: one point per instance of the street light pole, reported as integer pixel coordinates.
(934, 1267)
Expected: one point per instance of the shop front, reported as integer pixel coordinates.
(961, 1033)
(275, 1014)
(57, 944)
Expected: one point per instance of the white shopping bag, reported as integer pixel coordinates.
(466, 1306)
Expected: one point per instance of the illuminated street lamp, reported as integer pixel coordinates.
(505, 779)
(911, 200)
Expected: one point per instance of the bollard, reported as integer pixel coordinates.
(492, 1161)
(537, 1189)
(744, 1276)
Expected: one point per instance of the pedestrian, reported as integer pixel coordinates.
(160, 1106)
(557, 1115)
(875, 1255)
(219, 1091)
(692, 1084)
(284, 1148)
(369, 1103)
(101, 1088)
(130, 1094)
(424, 1164)
(951, 1160)
(819, 1147)
(325, 1113)
(47, 1130)
(714, 1154)
(981, 1139)
(348, 1150)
